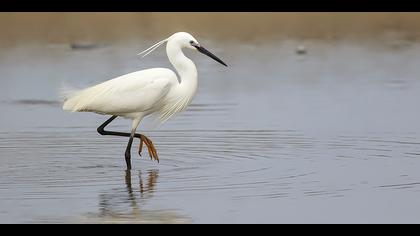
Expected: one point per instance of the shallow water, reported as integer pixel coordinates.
(330, 136)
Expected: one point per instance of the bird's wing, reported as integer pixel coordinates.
(134, 92)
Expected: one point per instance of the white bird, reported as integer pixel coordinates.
(139, 94)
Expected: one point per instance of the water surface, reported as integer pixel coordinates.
(329, 136)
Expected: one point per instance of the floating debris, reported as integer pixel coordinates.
(83, 45)
(301, 50)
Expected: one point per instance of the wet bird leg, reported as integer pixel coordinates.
(147, 141)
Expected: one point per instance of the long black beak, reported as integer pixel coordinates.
(206, 52)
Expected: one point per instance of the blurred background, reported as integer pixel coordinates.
(66, 27)
(314, 121)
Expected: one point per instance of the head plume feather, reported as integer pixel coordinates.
(152, 48)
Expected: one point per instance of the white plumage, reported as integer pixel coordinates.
(127, 95)
(151, 91)
(138, 94)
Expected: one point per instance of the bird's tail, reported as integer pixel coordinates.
(67, 95)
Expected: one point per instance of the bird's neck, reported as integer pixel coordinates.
(184, 66)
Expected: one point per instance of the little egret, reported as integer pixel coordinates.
(142, 93)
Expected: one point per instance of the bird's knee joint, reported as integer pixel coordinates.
(100, 130)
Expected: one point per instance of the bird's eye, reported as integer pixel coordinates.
(191, 42)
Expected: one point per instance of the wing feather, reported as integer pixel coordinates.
(134, 92)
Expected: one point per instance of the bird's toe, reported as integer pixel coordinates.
(140, 147)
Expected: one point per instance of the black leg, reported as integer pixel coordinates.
(152, 150)
(105, 132)
(130, 141)
(128, 151)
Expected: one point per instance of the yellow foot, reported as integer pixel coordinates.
(150, 147)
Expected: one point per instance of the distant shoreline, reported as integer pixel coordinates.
(68, 27)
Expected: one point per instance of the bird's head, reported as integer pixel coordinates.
(184, 40)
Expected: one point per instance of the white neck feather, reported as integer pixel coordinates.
(187, 87)
(183, 65)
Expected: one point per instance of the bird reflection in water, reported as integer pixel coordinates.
(126, 205)
(145, 191)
